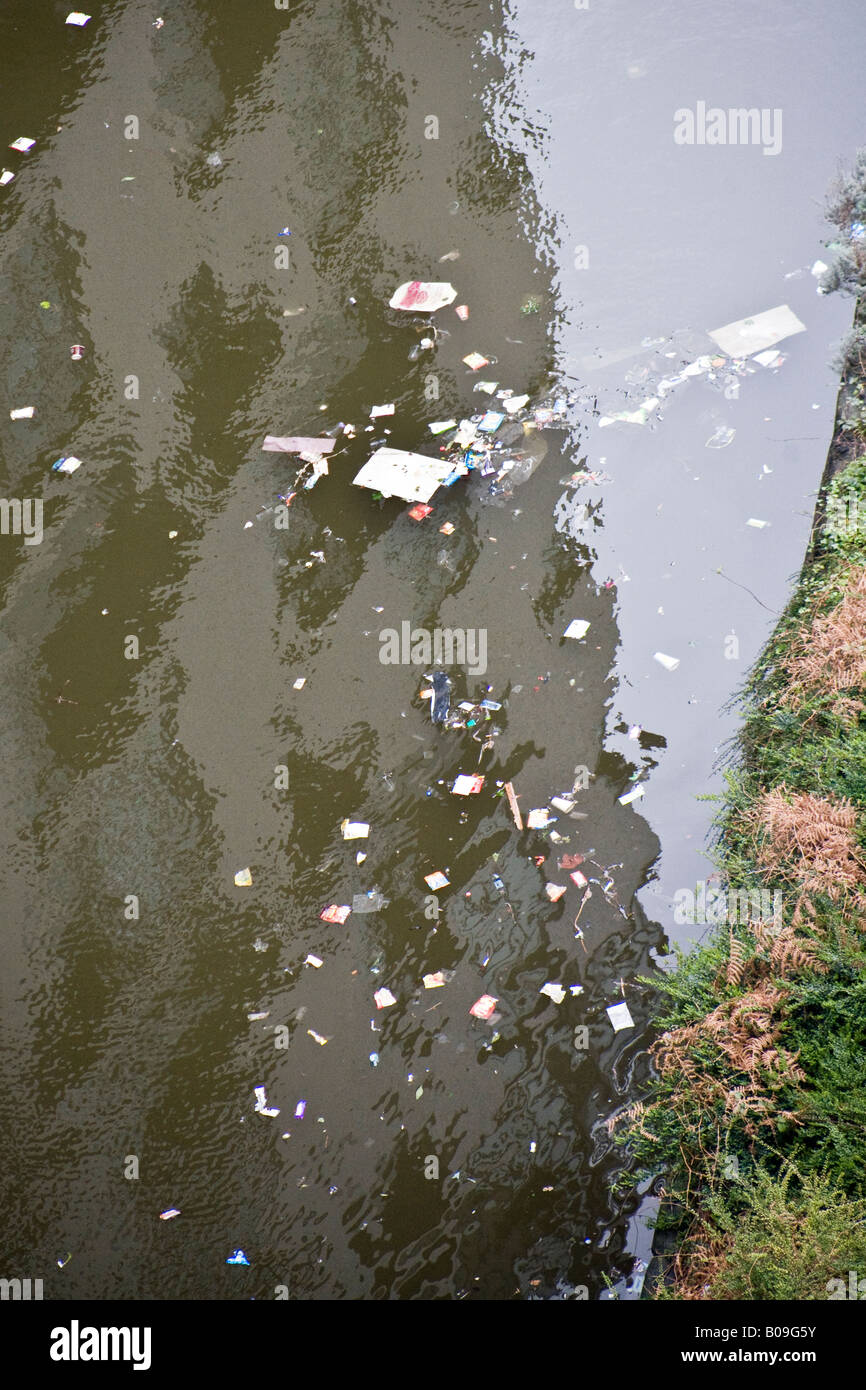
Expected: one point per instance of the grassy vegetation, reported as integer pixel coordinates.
(757, 1113)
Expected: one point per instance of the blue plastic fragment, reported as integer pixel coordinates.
(492, 420)
(441, 697)
(237, 1258)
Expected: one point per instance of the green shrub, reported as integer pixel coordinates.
(790, 1241)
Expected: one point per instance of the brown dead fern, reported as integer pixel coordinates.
(699, 1262)
(747, 1032)
(736, 960)
(789, 954)
(830, 655)
(813, 838)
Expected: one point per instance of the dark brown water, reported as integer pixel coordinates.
(129, 1052)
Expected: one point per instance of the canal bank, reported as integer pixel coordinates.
(756, 1113)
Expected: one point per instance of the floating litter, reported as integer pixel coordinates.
(628, 797)
(670, 663)
(555, 992)
(483, 1007)
(620, 1017)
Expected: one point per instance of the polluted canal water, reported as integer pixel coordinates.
(352, 767)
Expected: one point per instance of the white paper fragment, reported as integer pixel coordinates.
(578, 627)
(24, 412)
(261, 1105)
(169, 1214)
(398, 473)
(771, 358)
(315, 961)
(23, 143)
(423, 296)
(6, 176)
(628, 797)
(378, 410)
(297, 444)
(697, 368)
(538, 818)
(620, 1017)
(465, 434)
(320, 469)
(562, 803)
(747, 336)
(243, 878)
(514, 403)
(670, 663)
(753, 521)
(354, 829)
(384, 999)
(299, 683)
(76, 17)
(467, 784)
(66, 465)
(436, 880)
(555, 992)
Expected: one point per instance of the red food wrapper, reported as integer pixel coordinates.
(570, 861)
(484, 1007)
(335, 913)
